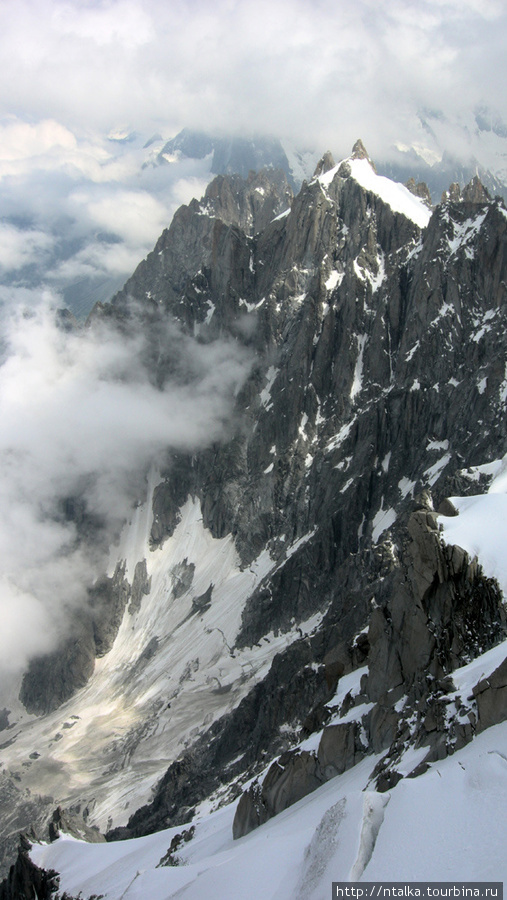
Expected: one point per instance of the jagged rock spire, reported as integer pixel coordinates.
(419, 189)
(453, 193)
(359, 151)
(475, 192)
(325, 164)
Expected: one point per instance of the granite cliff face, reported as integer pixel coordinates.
(377, 331)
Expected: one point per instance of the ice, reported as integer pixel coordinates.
(364, 274)
(251, 307)
(432, 474)
(385, 462)
(334, 280)
(406, 486)
(210, 311)
(342, 436)
(282, 215)
(465, 233)
(412, 350)
(438, 445)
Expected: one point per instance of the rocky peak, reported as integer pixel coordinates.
(475, 192)
(453, 193)
(249, 202)
(359, 151)
(325, 164)
(420, 189)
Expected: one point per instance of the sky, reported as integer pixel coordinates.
(80, 207)
(307, 69)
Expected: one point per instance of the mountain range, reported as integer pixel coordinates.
(299, 643)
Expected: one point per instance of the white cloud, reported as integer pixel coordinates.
(80, 417)
(290, 67)
(136, 216)
(126, 24)
(20, 247)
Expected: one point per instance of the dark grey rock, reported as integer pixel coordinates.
(64, 822)
(294, 775)
(203, 602)
(141, 585)
(338, 749)
(52, 679)
(26, 880)
(182, 576)
(108, 599)
(491, 696)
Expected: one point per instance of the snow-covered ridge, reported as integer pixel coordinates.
(481, 525)
(396, 195)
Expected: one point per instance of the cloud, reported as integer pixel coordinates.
(19, 247)
(135, 216)
(302, 69)
(83, 209)
(82, 418)
(317, 74)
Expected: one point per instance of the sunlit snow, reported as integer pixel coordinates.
(396, 195)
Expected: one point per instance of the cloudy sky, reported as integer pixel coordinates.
(79, 208)
(308, 69)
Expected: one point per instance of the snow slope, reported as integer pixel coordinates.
(481, 526)
(170, 673)
(448, 824)
(396, 195)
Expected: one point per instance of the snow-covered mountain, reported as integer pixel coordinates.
(295, 615)
(79, 212)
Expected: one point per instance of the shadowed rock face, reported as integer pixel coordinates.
(26, 880)
(52, 679)
(443, 614)
(376, 347)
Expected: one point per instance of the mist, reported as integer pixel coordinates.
(82, 419)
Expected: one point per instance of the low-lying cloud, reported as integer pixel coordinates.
(79, 213)
(82, 418)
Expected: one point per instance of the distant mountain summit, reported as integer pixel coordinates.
(230, 155)
(434, 165)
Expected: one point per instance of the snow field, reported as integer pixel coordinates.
(449, 824)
